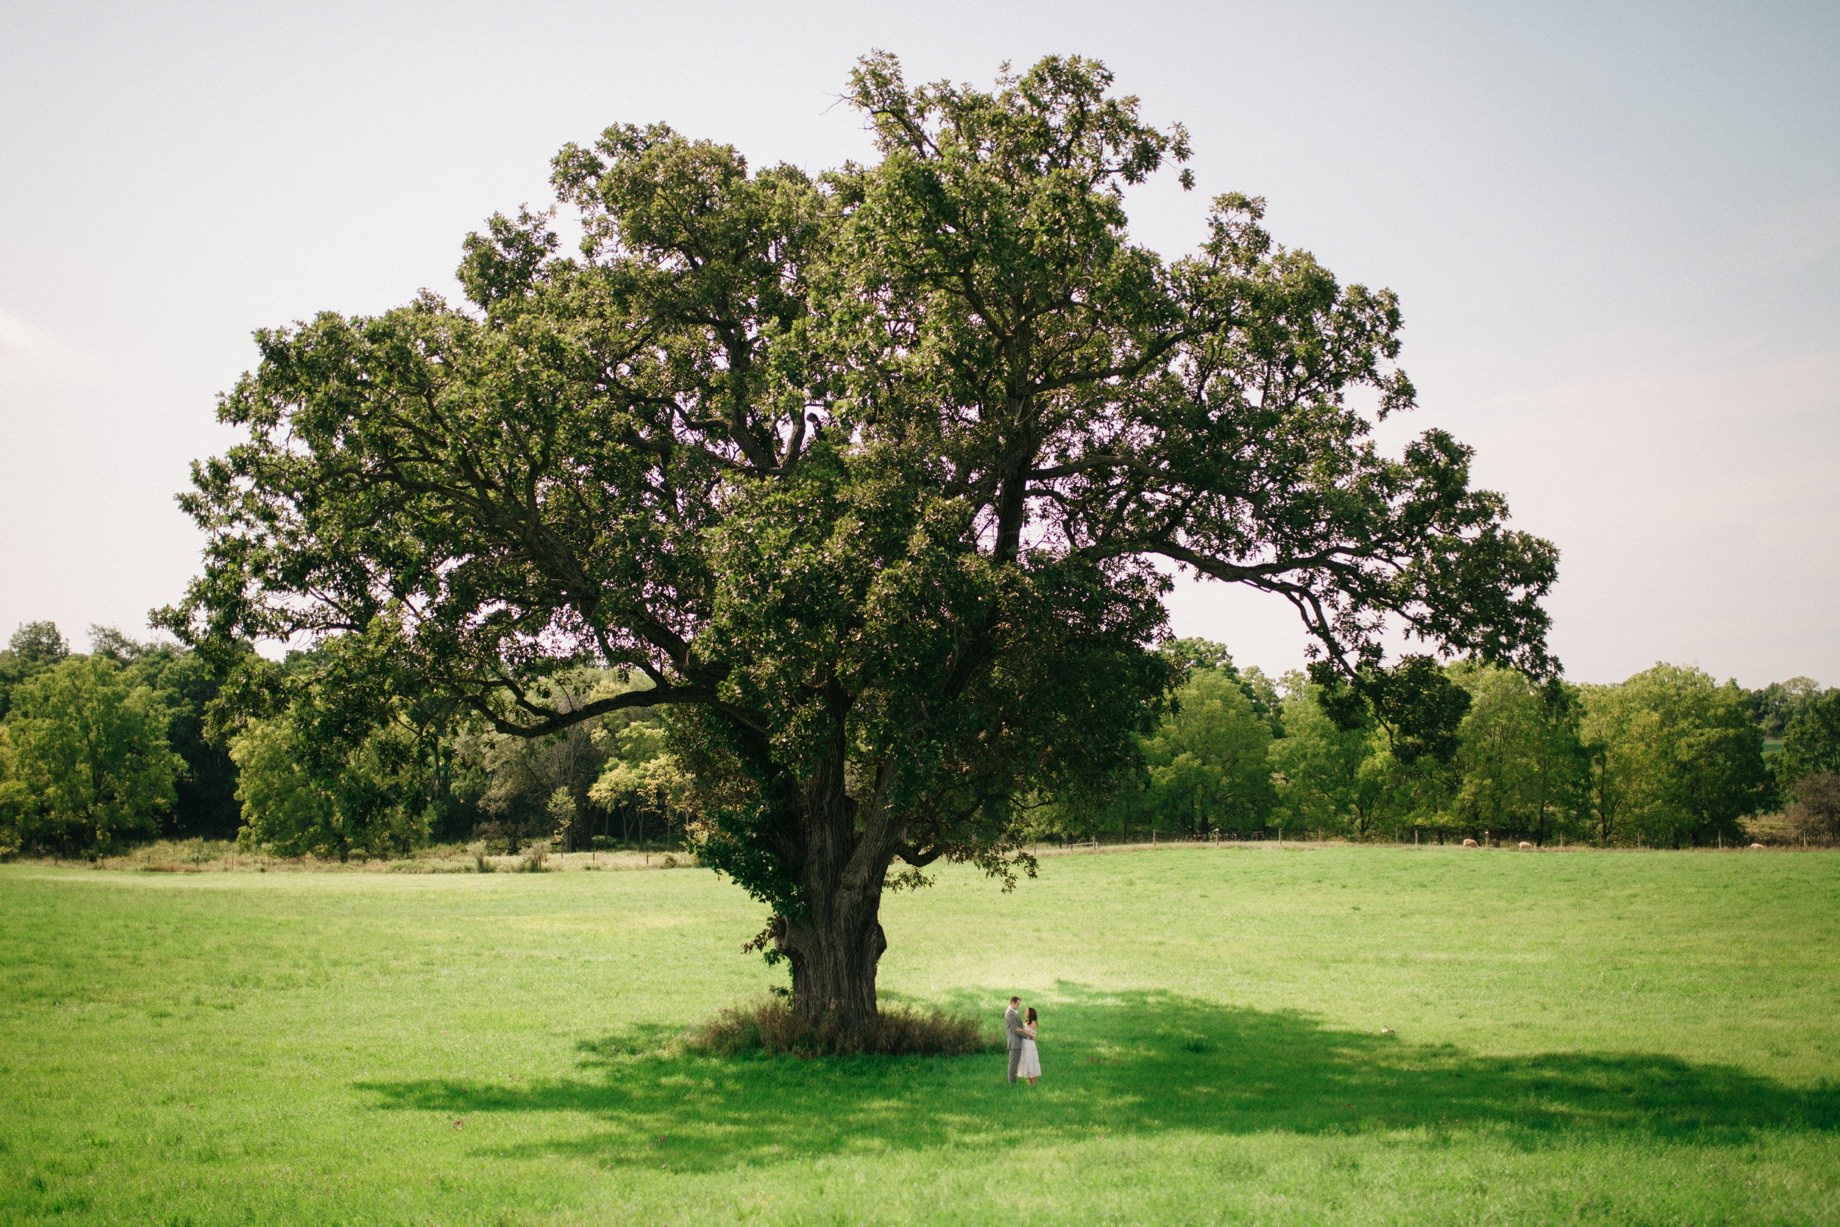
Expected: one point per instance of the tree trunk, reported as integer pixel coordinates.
(836, 943)
(834, 958)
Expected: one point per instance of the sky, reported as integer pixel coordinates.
(1614, 230)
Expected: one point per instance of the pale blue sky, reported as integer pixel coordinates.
(1615, 230)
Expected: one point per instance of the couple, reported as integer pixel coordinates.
(1024, 1061)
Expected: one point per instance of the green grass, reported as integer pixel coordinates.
(1229, 1035)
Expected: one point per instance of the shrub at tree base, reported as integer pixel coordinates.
(773, 1027)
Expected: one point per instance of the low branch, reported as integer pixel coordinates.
(919, 858)
(556, 721)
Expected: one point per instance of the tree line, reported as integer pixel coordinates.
(135, 741)
(1666, 758)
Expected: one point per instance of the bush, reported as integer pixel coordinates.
(772, 1027)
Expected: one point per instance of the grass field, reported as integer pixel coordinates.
(1236, 1034)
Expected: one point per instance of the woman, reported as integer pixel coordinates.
(1030, 1065)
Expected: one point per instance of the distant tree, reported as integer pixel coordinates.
(1266, 696)
(12, 672)
(86, 762)
(1190, 654)
(1627, 764)
(1396, 795)
(521, 774)
(286, 805)
(563, 815)
(1522, 765)
(34, 647)
(876, 476)
(187, 688)
(15, 798)
(1811, 740)
(1201, 766)
(645, 779)
(1208, 758)
(1815, 810)
(1774, 706)
(1718, 763)
(304, 797)
(1676, 758)
(205, 802)
(109, 641)
(1318, 765)
(1361, 770)
(39, 644)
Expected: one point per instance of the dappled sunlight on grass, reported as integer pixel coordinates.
(1117, 1064)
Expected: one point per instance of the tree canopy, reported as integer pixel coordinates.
(1207, 758)
(84, 760)
(1811, 740)
(874, 478)
(1674, 757)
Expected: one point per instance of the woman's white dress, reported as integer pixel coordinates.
(1030, 1065)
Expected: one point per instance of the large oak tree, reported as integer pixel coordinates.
(876, 477)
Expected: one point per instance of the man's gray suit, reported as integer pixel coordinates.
(1012, 1027)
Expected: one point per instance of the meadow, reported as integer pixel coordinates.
(1230, 1034)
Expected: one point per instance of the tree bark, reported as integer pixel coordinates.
(834, 956)
(836, 943)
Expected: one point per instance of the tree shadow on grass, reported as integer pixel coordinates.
(1116, 1064)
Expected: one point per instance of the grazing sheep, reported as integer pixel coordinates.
(1469, 843)
(1758, 847)
(1525, 846)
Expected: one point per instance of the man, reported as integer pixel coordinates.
(1012, 1027)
